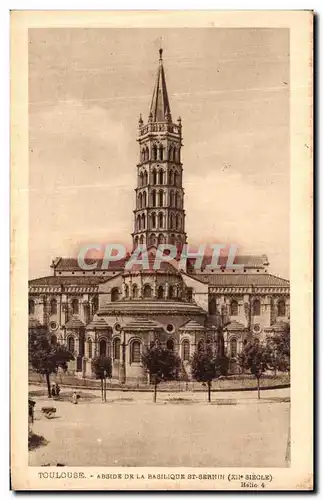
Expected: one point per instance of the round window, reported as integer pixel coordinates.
(117, 327)
(256, 328)
(170, 327)
(53, 325)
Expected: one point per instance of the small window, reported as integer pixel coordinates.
(147, 292)
(256, 307)
(281, 306)
(90, 347)
(71, 344)
(186, 350)
(75, 306)
(31, 306)
(234, 308)
(53, 340)
(53, 306)
(103, 347)
(170, 344)
(160, 292)
(135, 352)
(134, 291)
(116, 349)
(233, 348)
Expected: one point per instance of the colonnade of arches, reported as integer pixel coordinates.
(158, 220)
(159, 152)
(159, 176)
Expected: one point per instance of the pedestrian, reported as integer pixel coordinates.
(74, 398)
(57, 389)
(53, 391)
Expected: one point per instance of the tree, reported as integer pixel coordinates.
(162, 364)
(207, 366)
(45, 357)
(279, 346)
(102, 367)
(255, 357)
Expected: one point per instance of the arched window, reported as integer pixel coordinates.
(161, 176)
(135, 351)
(140, 200)
(145, 178)
(170, 344)
(103, 347)
(161, 198)
(147, 153)
(147, 292)
(126, 291)
(160, 220)
(71, 344)
(90, 348)
(153, 195)
(171, 292)
(136, 240)
(141, 241)
(153, 219)
(31, 306)
(171, 198)
(141, 179)
(160, 292)
(172, 239)
(138, 222)
(176, 199)
(116, 349)
(233, 348)
(95, 304)
(154, 177)
(234, 308)
(256, 307)
(176, 177)
(115, 293)
(281, 306)
(177, 222)
(75, 306)
(212, 305)
(161, 152)
(143, 221)
(53, 340)
(172, 221)
(154, 152)
(144, 199)
(134, 291)
(171, 177)
(143, 155)
(186, 350)
(161, 239)
(170, 153)
(53, 306)
(178, 155)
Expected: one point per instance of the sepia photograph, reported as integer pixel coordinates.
(158, 255)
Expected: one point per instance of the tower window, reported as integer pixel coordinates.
(143, 221)
(177, 222)
(154, 151)
(154, 177)
(161, 239)
(176, 177)
(145, 178)
(171, 177)
(161, 198)
(153, 220)
(154, 198)
(141, 179)
(141, 239)
(161, 177)
(140, 200)
(144, 199)
(161, 152)
(160, 221)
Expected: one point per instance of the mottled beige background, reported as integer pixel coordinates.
(299, 23)
(87, 88)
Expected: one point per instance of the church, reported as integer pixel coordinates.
(118, 312)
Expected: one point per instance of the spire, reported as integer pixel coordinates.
(160, 109)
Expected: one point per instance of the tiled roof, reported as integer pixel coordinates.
(234, 326)
(150, 307)
(192, 325)
(234, 279)
(142, 324)
(74, 322)
(68, 280)
(248, 261)
(71, 264)
(98, 324)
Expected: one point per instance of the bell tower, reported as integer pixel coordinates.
(159, 213)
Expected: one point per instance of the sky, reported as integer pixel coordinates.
(87, 88)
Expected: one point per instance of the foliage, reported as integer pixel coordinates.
(45, 357)
(279, 346)
(207, 366)
(162, 364)
(102, 367)
(256, 357)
